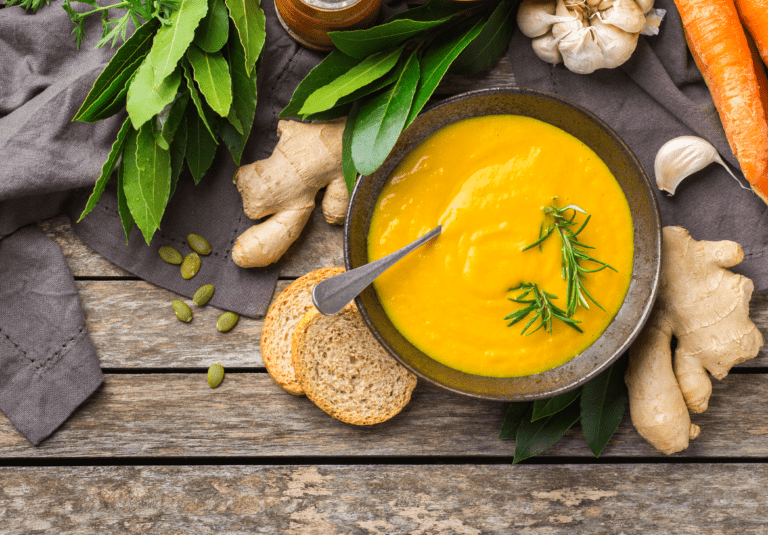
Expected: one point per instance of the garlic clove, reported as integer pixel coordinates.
(581, 54)
(682, 156)
(644, 5)
(626, 15)
(545, 47)
(535, 17)
(616, 44)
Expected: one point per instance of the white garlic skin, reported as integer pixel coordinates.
(681, 157)
(588, 34)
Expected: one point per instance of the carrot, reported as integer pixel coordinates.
(721, 51)
(754, 15)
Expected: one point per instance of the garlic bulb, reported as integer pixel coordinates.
(587, 34)
(682, 156)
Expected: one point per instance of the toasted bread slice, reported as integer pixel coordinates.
(280, 322)
(344, 370)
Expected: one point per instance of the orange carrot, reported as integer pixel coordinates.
(721, 51)
(754, 15)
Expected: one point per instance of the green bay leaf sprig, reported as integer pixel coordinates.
(187, 78)
(382, 77)
(537, 425)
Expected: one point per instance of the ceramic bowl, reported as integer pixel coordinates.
(637, 188)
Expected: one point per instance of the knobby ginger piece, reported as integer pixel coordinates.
(306, 158)
(706, 307)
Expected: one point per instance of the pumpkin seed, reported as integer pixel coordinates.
(215, 375)
(203, 295)
(199, 244)
(183, 312)
(169, 254)
(190, 266)
(227, 321)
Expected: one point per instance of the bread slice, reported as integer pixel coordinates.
(344, 370)
(280, 322)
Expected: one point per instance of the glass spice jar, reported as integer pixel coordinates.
(309, 21)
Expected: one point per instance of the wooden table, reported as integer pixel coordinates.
(155, 450)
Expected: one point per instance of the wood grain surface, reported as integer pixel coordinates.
(179, 415)
(386, 500)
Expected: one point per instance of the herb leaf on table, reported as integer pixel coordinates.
(371, 70)
(537, 425)
(185, 48)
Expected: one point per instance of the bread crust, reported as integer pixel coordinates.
(278, 325)
(320, 393)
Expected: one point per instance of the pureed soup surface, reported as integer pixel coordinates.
(487, 180)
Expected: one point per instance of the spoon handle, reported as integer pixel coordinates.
(331, 295)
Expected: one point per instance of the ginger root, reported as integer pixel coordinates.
(306, 158)
(706, 307)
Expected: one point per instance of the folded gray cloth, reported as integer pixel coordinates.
(49, 164)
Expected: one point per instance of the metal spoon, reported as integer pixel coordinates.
(331, 295)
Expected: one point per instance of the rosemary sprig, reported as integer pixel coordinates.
(539, 302)
(574, 253)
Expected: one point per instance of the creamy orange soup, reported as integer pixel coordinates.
(487, 180)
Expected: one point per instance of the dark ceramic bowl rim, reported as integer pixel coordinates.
(620, 348)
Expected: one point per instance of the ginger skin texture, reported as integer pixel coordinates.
(306, 158)
(706, 307)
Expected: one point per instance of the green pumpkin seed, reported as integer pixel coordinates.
(227, 321)
(199, 244)
(169, 254)
(203, 295)
(190, 266)
(183, 312)
(215, 375)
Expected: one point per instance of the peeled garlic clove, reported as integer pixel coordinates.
(682, 156)
(545, 47)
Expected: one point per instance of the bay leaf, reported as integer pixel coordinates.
(435, 10)
(147, 181)
(603, 402)
(250, 24)
(244, 98)
(168, 120)
(436, 60)
(362, 43)
(126, 219)
(347, 163)
(344, 104)
(542, 408)
(513, 418)
(211, 73)
(333, 65)
(118, 92)
(178, 151)
(490, 43)
(172, 41)
(145, 100)
(107, 168)
(201, 148)
(195, 96)
(371, 68)
(212, 32)
(381, 119)
(114, 78)
(535, 437)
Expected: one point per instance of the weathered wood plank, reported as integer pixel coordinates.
(470, 500)
(133, 325)
(178, 415)
(497, 75)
